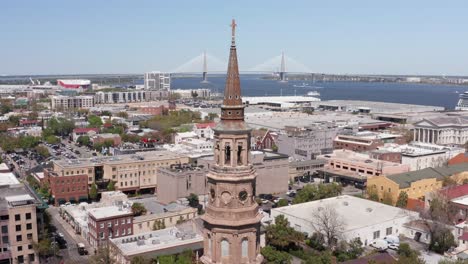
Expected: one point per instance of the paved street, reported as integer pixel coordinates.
(70, 255)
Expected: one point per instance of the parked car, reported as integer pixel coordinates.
(81, 249)
(380, 244)
(394, 246)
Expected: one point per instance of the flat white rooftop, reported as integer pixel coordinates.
(8, 178)
(279, 99)
(417, 149)
(176, 236)
(355, 212)
(108, 211)
(19, 198)
(461, 200)
(4, 167)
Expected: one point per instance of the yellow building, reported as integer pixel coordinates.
(416, 183)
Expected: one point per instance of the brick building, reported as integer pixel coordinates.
(67, 186)
(365, 141)
(109, 222)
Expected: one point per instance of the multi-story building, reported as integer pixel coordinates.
(272, 176)
(183, 179)
(129, 173)
(129, 96)
(301, 168)
(307, 142)
(420, 155)
(172, 215)
(351, 166)
(156, 80)
(18, 223)
(168, 241)
(109, 222)
(191, 93)
(365, 141)
(63, 102)
(442, 130)
(416, 183)
(204, 130)
(69, 187)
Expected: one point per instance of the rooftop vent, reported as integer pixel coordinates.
(320, 208)
(368, 209)
(155, 241)
(345, 203)
(140, 242)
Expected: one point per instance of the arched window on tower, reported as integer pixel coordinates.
(227, 154)
(224, 248)
(239, 154)
(245, 247)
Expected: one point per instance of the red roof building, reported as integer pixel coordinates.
(28, 123)
(460, 158)
(205, 125)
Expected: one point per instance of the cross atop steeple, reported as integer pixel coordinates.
(233, 28)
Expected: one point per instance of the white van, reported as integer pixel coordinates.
(392, 240)
(380, 244)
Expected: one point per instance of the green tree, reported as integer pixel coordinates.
(402, 201)
(317, 241)
(408, 256)
(14, 120)
(139, 260)
(94, 121)
(103, 256)
(372, 193)
(93, 193)
(159, 224)
(193, 200)
(280, 235)
(323, 258)
(43, 151)
(111, 186)
(52, 140)
(283, 202)
(44, 248)
(317, 192)
(274, 256)
(448, 181)
(122, 114)
(84, 140)
(138, 209)
(442, 241)
(167, 259)
(105, 113)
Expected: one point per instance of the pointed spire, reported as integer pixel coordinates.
(232, 104)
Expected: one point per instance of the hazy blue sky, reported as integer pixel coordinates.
(388, 37)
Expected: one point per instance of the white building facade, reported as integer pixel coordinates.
(361, 218)
(156, 80)
(62, 102)
(442, 131)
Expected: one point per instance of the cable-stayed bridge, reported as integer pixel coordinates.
(205, 63)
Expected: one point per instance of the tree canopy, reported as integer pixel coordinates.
(317, 192)
(280, 235)
(138, 209)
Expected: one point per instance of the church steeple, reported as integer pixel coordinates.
(232, 108)
(232, 219)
